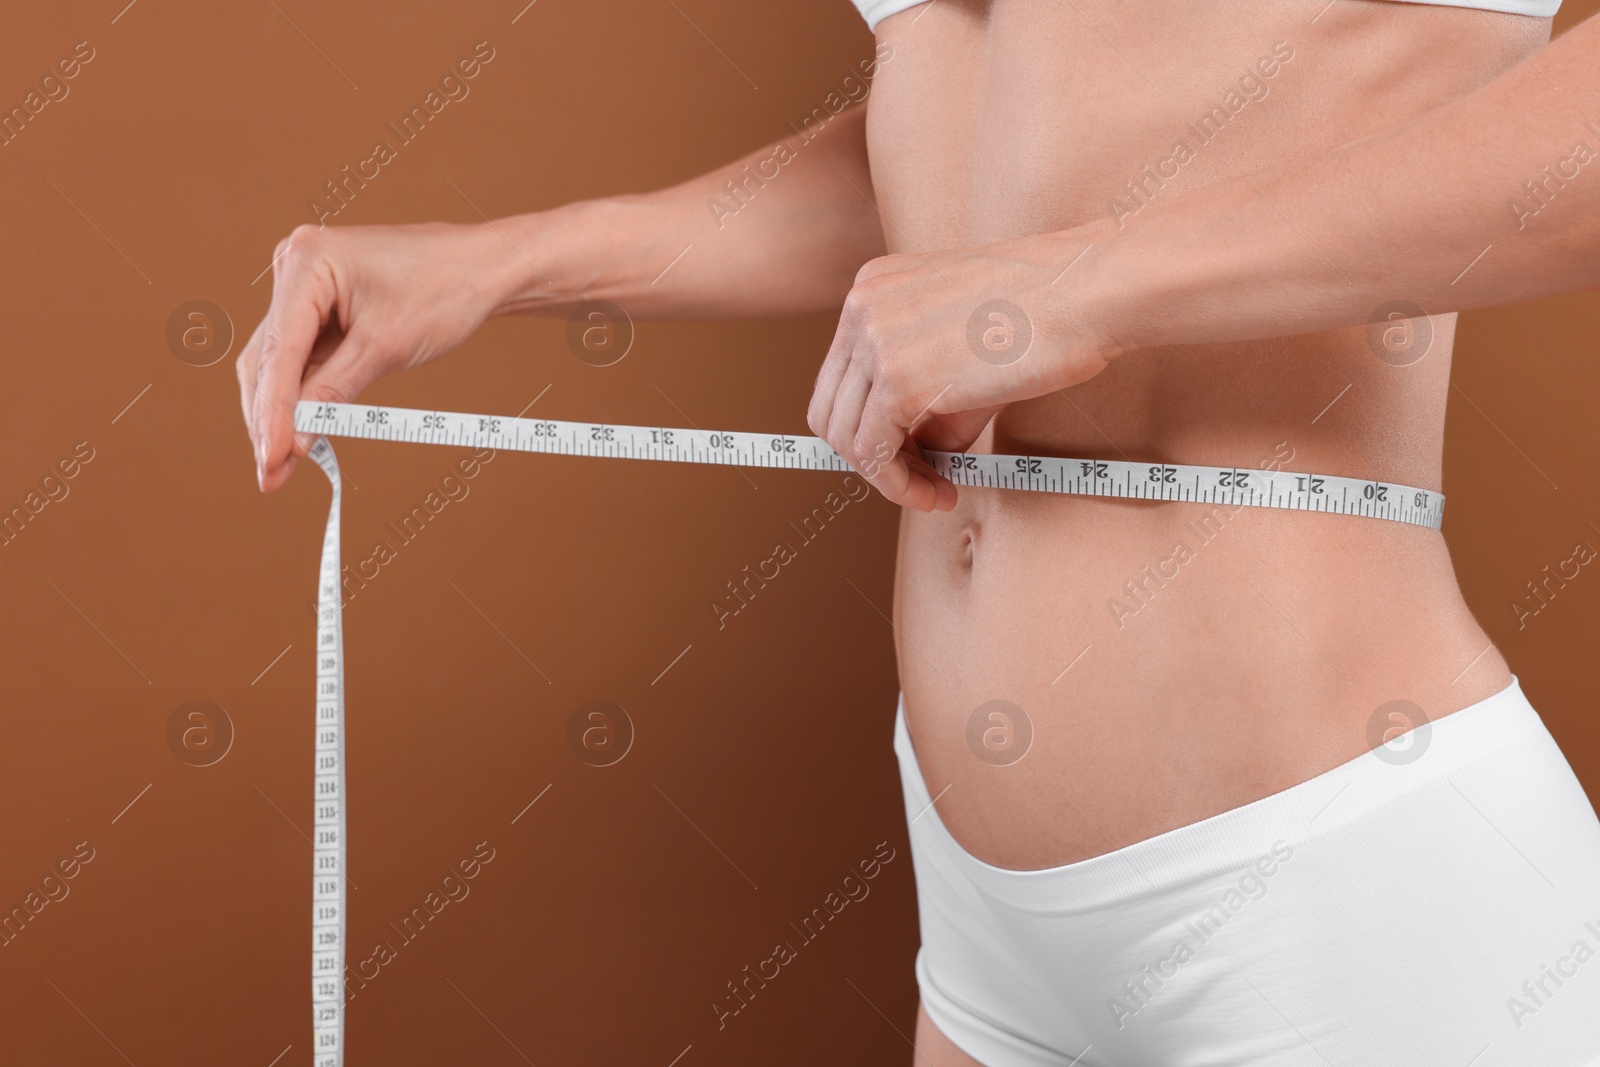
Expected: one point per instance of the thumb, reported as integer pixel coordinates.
(339, 379)
(953, 431)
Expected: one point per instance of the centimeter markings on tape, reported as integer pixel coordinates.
(1231, 486)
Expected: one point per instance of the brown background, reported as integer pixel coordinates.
(620, 904)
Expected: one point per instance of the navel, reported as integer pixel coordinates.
(966, 545)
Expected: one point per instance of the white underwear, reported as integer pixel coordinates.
(1437, 912)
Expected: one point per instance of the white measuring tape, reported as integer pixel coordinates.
(1047, 474)
(328, 862)
(1231, 486)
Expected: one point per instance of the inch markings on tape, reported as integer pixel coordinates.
(1231, 486)
(328, 852)
(328, 849)
(1048, 474)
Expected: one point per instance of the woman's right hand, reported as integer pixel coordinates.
(350, 305)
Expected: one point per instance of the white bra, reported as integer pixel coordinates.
(875, 11)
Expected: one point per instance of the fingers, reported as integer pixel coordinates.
(340, 370)
(855, 409)
(271, 481)
(944, 490)
(909, 480)
(834, 368)
(860, 422)
(339, 377)
(841, 425)
(844, 420)
(302, 302)
(245, 367)
(954, 431)
(826, 388)
(892, 458)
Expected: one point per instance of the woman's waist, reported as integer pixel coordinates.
(1169, 675)
(1364, 402)
(1023, 596)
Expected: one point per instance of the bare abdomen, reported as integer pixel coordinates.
(1171, 662)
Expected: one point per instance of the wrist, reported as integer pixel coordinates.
(532, 263)
(1219, 264)
(1194, 269)
(1081, 292)
(1140, 281)
(549, 262)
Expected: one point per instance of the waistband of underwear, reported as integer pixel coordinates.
(1237, 839)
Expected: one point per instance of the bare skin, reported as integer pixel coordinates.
(1242, 674)
(996, 137)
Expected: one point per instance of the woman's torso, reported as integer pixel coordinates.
(1164, 685)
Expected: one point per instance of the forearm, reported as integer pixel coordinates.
(1425, 212)
(781, 231)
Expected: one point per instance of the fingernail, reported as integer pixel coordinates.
(261, 453)
(261, 478)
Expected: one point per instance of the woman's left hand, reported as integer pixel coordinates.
(929, 347)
